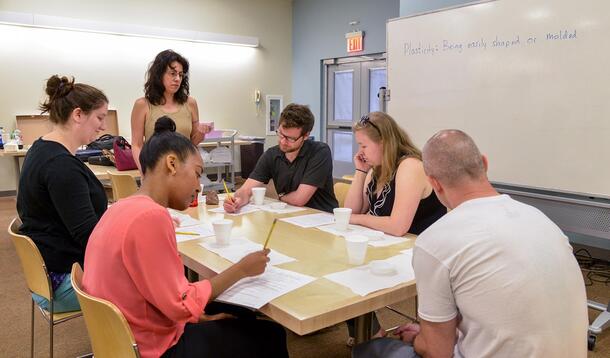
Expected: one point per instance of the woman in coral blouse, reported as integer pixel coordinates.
(132, 261)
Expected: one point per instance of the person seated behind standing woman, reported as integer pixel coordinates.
(390, 191)
(60, 200)
(132, 261)
(301, 169)
(166, 92)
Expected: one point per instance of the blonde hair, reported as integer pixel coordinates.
(397, 146)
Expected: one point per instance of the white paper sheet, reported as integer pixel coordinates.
(362, 281)
(185, 220)
(408, 252)
(257, 291)
(240, 247)
(311, 220)
(385, 240)
(201, 230)
(287, 210)
(248, 208)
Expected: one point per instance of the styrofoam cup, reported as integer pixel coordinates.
(356, 248)
(222, 231)
(259, 195)
(342, 216)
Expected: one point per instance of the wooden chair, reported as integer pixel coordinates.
(123, 185)
(341, 190)
(109, 332)
(38, 281)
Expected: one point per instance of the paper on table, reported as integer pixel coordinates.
(243, 210)
(362, 281)
(287, 210)
(311, 220)
(408, 252)
(240, 247)
(202, 230)
(257, 291)
(385, 240)
(185, 220)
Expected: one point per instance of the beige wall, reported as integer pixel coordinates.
(223, 78)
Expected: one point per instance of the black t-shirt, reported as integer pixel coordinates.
(313, 166)
(59, 202)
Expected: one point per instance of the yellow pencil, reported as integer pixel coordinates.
(269, 234)
(226, 189)
(187, 233)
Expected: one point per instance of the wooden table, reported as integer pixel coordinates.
(319, 304)
(100, 171)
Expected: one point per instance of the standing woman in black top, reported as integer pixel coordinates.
(390, 191)
(60, 200)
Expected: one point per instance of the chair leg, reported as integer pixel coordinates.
(32, 332)
(51, 328)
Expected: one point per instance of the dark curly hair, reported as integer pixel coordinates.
(65, 96)
(153, 88)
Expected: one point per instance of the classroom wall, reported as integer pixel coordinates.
(319, 28)
(223, 78)
(410, 7)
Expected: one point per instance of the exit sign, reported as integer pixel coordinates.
(355, 41)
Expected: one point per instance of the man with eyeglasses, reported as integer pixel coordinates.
(301, 169)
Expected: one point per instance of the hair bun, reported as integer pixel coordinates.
(59, 86)
(164, 124)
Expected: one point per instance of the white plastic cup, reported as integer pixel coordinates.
(342, 216)
(259, 195)
(222, 231)
(356, 248)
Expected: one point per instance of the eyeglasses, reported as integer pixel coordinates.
(174, 74)
(364, 120)
(289, 139)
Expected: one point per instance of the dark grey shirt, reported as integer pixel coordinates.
(313, 166)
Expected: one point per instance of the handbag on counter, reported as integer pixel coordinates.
(85, 154)
(106, 158)
(123, 158)
(104, 142)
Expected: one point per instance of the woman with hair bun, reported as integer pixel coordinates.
(133, 262)
(166, 93)
(60, 200)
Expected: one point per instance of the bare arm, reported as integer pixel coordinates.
(436, 339)
(301, 196)
(198, 130)
(242, 196)
(138, 117)
(411, 185)
(251, 265)
(356, 195)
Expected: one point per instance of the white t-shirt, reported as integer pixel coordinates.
(509, 271)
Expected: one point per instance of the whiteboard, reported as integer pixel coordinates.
(529, 80)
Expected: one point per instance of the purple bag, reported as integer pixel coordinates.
(123, 159)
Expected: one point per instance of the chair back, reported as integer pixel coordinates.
(33, 265)
(341, 190)
(109, 332)
(123, 185)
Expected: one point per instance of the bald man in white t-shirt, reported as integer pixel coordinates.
(495, 277)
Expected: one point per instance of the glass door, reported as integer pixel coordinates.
(351, 91)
